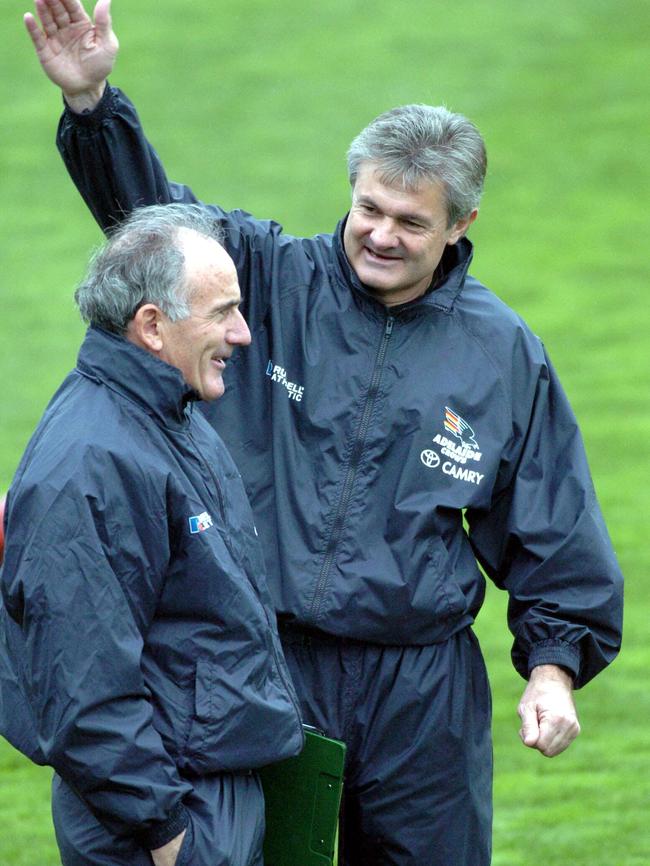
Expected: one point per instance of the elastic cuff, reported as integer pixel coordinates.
(92, 117)
(555, 652)
(163, 833)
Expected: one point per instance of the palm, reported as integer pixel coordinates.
(77, 60)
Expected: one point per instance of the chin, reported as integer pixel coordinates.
(379, 287)
(371, 279)
(216, 392)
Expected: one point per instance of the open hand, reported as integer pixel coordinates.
(76, 53)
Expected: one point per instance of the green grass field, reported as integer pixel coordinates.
(253, 104)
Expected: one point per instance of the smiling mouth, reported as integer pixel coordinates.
(380, 257)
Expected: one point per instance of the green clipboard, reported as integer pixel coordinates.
(303, 797)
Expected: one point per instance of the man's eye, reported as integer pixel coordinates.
(227, 312)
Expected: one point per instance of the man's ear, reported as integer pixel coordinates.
(460, 228)
(145, 328)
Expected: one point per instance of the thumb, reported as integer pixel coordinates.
(102, 18)
(529, 731)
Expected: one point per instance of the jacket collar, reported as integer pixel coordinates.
(137, 375)
(447, 283)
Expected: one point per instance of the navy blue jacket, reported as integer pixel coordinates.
(136, 609)
(366, 435)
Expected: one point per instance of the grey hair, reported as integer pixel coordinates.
(141, 262)
(415, 143)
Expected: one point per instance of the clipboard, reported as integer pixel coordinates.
(303, 798)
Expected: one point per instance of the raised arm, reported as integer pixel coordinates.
(117, 172)
(76, 53)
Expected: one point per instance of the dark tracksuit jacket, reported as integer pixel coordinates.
(136, 615)
(385, 451)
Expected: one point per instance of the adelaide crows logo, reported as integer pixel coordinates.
(460, 428)
(464, 451)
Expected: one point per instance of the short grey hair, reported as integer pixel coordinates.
(418, 143)
(142, 262)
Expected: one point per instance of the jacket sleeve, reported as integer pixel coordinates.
(80, 637)
(111, 162)
(116, 170)
(544, 540)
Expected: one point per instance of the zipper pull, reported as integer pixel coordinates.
(389, 326)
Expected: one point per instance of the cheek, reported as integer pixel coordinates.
(357, 227)
(431, 252)
(205, 361)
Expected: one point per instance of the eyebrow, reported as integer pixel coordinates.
(225, 305)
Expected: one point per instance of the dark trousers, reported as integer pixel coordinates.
(226, 827)
(416, 721)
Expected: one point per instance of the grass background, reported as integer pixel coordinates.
(253, 104)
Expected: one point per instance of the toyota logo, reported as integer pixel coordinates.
(431, 459)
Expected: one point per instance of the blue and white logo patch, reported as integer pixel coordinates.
(278, 374)
(200, 522)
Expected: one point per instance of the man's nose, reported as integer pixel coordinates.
(239, 334)
(384, 235)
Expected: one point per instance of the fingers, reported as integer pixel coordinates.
(59, 13)
(556, 735)
(529, 731)
(46, 18)
(75, 11)
(36, 34)
(56, 15)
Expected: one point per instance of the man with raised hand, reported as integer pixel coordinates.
(147, 668)
(388, 395)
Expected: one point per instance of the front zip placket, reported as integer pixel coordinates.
(210, 473)
(353, 464)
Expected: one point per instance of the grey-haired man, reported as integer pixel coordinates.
(140, 654)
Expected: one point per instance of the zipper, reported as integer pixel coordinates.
(206, 466)
(353, 465)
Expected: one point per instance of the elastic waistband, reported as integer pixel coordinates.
(300, 635)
